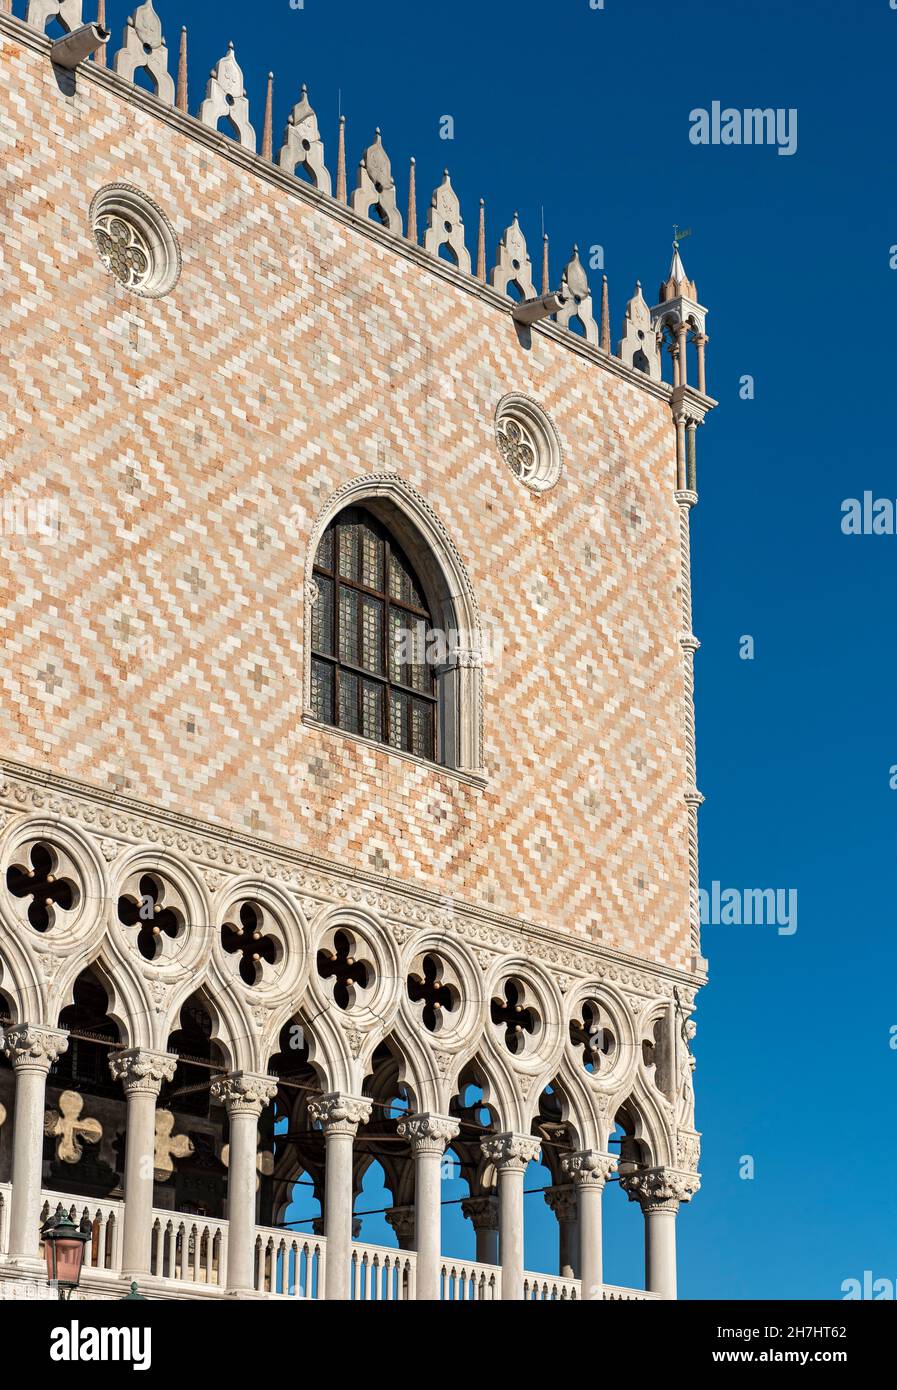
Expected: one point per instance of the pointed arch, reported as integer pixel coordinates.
(455, 616)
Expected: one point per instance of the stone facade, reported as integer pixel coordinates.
(185, 411)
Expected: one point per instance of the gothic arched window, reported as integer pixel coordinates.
(370, 626)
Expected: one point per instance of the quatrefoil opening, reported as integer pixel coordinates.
(343, 963)
(254, 950)
(433, 988)
(516, 1021)
(47, 882)
(149, 905)
(593, 1036)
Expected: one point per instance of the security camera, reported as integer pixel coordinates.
(532, 310)
(73, 48)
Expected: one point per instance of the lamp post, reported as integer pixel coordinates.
(64, 1246)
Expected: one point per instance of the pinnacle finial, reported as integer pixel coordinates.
(100, 56)
(342, 194)
(412, 202)
(605, 316)
(546, 283)
(268, 126)
(181, 98)
(481, 242)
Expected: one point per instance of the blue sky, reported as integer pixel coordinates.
(586, 113)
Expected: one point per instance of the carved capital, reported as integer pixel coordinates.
(32, 1047)
(511, 1152)
(563, 1202)
(142, 1072)
(429, 1133)
(482, 1212)
(243, 1092)
(401, 1219)
(589, 1167)
(340, 1114)
(660, 1189)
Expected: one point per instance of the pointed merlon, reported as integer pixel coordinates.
(181, 99)
(481, 242)
(268, 126)
(546, 284)
(100, 56)
(605, 317)
(412, 202)
(342, 190)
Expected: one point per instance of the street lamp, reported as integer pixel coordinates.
(64, 1246)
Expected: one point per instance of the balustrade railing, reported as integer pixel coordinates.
(380, 1274)
(103, 1250)
(466, 1282)
(189, 1249)
(288, 1266)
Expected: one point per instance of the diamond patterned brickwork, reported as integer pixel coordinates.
(190, 443)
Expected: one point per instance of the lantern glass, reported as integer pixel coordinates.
(69, 1257)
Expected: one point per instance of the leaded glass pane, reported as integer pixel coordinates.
(371, 558)
(419, 676)
(322, 617)
(397, 644)
(348, 549)
(372, 634)
(322, 691)
(372, 710)
(421, 728)
(348, 702)
(398, 734)
(324, 557)
(402, 587)
(348, 625)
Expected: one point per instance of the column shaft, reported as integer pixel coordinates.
(32, 1050)
(660, 1251)
(245, 1096)
(339, 1116)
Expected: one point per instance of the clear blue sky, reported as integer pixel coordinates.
(587, 113)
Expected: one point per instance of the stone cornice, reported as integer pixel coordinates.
(245, 159)
(108, 814)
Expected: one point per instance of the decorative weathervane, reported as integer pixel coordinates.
(679, 236)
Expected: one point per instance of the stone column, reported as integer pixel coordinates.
(483, 1212)
(340, 1116)
(682, 336)
(32, 1049)
(245, 1096)
(701, 339)
(401, 1219)
(659, 1192)
(564, 1204)
(590, 1170)
(428, 1136)
(511, 1153)
(141, 1073)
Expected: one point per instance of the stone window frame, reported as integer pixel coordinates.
(452, 604)
(138, 210)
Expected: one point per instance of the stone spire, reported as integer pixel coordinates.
(100, 56)
(342, 193)
(605, 316)
(181, 100)
(412, 202)
(546, 284)
(481, 242)
(677, 284)
(268, 125)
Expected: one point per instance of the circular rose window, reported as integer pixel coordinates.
(528, 442)
(136, 241)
